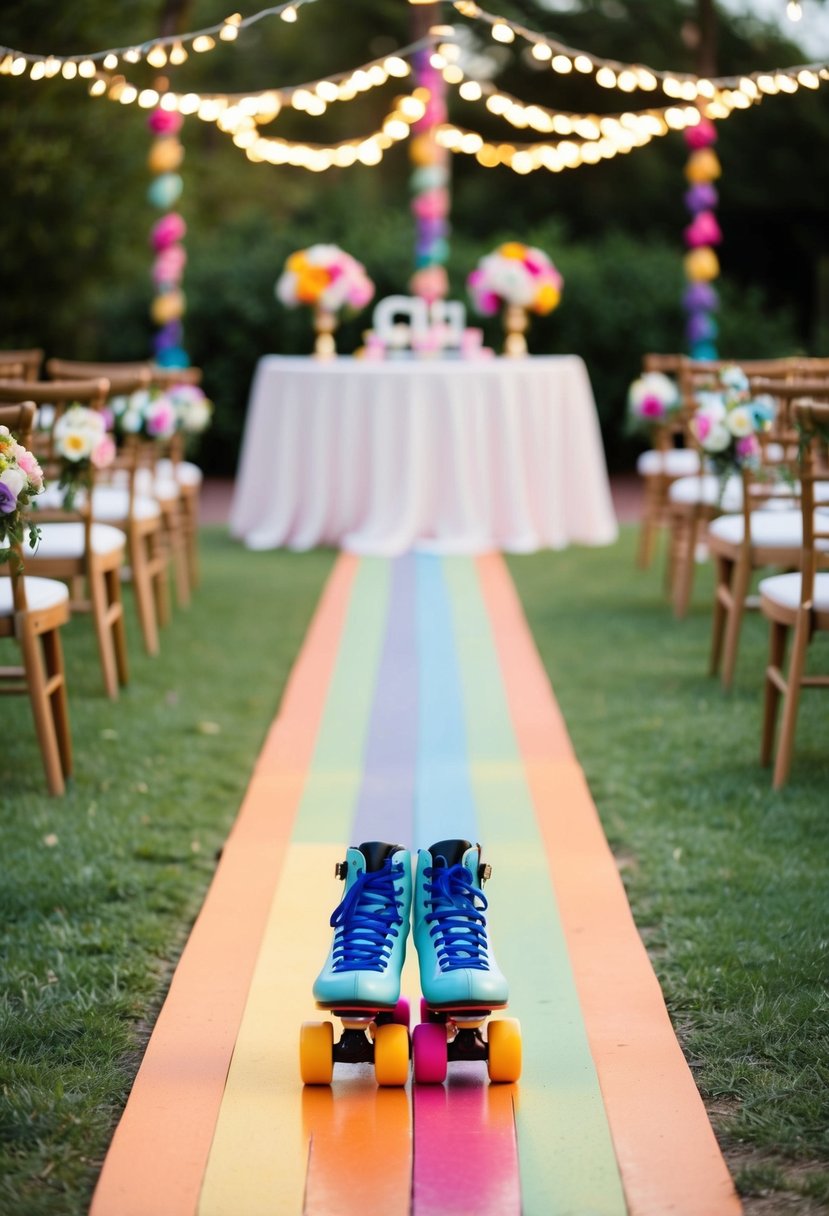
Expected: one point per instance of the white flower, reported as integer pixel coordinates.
(15, 479)
(132, 420)
(740, 422)
(717, 439)
(734, 378)
(286, 289)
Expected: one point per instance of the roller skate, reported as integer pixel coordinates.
(360, 982)
(459, 977)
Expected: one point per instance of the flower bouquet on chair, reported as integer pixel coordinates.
(327, 279)
(82, 443)
(653, 401)
(21, 480)
(145, 414)
(727, 421)
(518, 279)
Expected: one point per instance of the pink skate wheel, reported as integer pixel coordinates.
(426, 1014)
(402, 1014)
(429, 1051)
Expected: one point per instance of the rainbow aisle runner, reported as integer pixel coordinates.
(418, 709)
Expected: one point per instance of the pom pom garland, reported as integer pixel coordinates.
(429, 186)
(701, 263)
(165, 156)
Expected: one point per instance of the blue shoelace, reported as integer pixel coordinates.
(457, 918)
(367, 920)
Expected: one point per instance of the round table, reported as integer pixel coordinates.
(445, 455)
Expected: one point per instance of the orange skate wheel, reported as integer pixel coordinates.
(391, 1054)
(504, 1059)
(316, 1053)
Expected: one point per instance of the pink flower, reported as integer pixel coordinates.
(30, 467)
(651, 407)
(161, 419)
(747, 446)
(702, 426)
(103, 454)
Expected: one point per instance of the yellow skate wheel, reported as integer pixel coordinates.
(391, 1054)
(316, 1053)
(504, 1059)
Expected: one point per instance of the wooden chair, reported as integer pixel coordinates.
(694, 501)
(766, 532)
(32, 611)
(797, 602)
(29, 361)
(76, 547)
(662, 463)
(178, 481)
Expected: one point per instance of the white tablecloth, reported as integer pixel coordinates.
(451, 456)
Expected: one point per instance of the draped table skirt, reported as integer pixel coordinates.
(448, 456)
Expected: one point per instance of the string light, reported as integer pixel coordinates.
(628, 77)
(157, 52)
(311, 98)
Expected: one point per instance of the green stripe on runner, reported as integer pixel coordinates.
(336, 769)
(566, 1154)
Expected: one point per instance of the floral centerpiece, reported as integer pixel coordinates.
(21, 480)
(519, 279)
(728, 420)
(82, 443)
(653, 399)
(328, 279)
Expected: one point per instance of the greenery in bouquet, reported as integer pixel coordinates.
(21, 480)
(146, 413)
(82, 443)
(653, 400)
(727, 421)
(515, 274)
(324, 277)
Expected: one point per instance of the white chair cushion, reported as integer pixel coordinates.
(784, 589)
(184, 471)
(778, 529)
(112, 503)
(41, 593)
(675, 462)
(67, 540)
(706, 490)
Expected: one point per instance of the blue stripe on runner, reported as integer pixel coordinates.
(385, 804)
(444, 807)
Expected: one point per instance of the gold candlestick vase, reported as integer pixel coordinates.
(516, 323)
(325, 323)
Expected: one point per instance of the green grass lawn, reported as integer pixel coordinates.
(728, 881)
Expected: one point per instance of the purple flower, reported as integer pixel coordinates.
(8, 500)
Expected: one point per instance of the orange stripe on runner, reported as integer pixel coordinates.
(157, 1158)
(667, 1152)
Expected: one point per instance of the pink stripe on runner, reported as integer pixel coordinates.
(465, 1156)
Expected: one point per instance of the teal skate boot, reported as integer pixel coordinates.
(360, 982)
(460, 980)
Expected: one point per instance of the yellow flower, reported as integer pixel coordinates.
(547, 299)
(513, 249)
